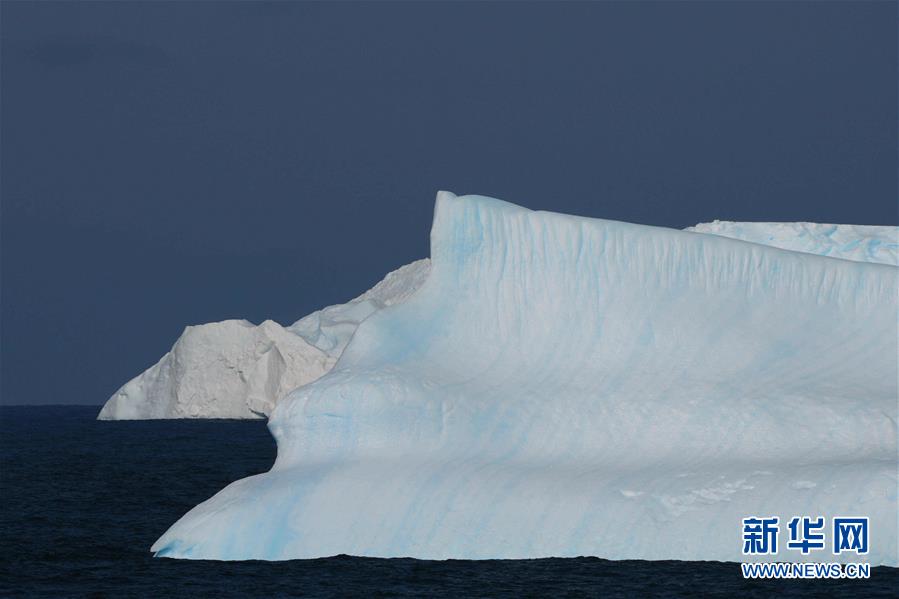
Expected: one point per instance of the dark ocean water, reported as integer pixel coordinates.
(82, 501)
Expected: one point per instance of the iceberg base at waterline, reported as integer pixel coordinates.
(563, 386)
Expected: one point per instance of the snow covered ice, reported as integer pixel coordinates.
(229, 369)
(861, 243)
(234, 369)
(564, 386)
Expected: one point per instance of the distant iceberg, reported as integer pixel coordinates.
(564, 386)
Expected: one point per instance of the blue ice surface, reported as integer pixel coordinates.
(565, 386)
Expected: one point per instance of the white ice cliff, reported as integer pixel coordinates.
(564, 386)
(234, 369)
(229, 369)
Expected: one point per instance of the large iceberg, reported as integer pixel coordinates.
(235, 369)
(564, 386)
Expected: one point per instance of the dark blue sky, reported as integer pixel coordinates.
(166, 164)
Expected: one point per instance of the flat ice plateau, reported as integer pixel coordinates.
(564, 386)
(861, 243)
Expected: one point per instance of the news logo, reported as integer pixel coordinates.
(805, 534)
(760, 536)
(850, 535)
